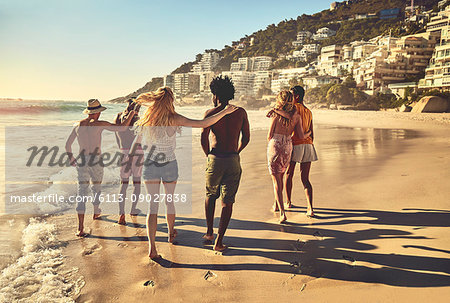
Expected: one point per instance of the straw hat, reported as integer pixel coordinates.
(93, 107)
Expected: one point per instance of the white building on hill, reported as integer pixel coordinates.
(207, 63)
(282, 77)
(250, 64)
(328, 60)
(186, 83)
(243, 82)
(323, 33)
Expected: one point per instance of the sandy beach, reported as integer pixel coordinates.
(381, 193)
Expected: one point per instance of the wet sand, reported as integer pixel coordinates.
(381, 195)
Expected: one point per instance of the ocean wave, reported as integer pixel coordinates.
(42, 108)
(39, 272)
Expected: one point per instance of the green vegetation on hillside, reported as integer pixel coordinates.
(184, 68)
(149, 86)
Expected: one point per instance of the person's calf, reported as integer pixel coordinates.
(210, 205)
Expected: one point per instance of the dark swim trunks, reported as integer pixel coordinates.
(223, 175)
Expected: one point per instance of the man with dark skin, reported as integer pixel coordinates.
(223, 170)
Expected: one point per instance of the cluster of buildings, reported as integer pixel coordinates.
(383, 14)
(383, 63)
(321, 34)
(249, 74)
(380, 61)
(437, 72)
(307, 51)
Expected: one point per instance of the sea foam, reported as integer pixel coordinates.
(39, 275)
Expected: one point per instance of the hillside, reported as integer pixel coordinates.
(149, 86)
(276, 40)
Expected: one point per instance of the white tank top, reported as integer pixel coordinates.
(160, 146)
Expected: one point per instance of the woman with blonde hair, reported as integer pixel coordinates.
(157, 128)
(285, 121)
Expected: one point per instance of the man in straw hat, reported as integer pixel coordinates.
(88, 132)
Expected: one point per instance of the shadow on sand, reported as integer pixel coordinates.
(337, 254)
(332, 253)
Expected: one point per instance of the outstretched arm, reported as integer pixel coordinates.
(69, 143)
(118, 126)
(245, 131)
(205, 122)
(116, 135)
(205, 138)
(280, 112)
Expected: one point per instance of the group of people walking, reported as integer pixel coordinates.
(226, 132)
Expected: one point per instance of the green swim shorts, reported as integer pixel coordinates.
(222, 177)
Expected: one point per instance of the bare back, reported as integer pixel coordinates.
(125, 137)
(280, 128)
(226, 132)
(89, 136)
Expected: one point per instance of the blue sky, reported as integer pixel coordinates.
(76, 50)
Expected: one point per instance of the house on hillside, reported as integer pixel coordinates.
(437, 73)
(250, 64)
(301, 38)
(391, 13)
(400, 89)
(317, 81)
(207, 63)
(323, 33)
(328, 59)
(406, 60)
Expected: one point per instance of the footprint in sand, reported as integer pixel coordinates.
(150, 283)
(90, 250)
(121, 244)
(351, 261)
(209, 275)
(318, 235)
(298, 245)
(303, 287)
(296, 266)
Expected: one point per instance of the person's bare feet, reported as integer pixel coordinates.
(288, 204)
(81, 234)
(154, 256)
(310, 213)
(121, 220)
(208, 237)
(283, 219)
(135, 212)
(220, 248)
(172, 236)
(275, 207)
(97, 213)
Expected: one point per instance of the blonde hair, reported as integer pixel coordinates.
(160, 111)
(284, 101)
